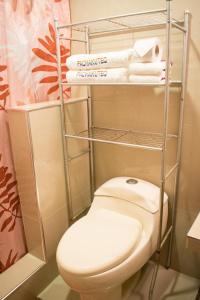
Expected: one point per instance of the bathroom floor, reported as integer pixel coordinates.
(171, 285)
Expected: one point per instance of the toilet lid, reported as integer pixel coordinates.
(97, 242)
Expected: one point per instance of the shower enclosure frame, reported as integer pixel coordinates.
(151, 19)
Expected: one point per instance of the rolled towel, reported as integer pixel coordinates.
(147, 78)
(154, 68)
(102, 75)
(147, 50)
(116, 59)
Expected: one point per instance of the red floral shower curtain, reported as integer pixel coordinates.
(28, 74)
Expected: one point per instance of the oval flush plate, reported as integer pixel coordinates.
(131, 181)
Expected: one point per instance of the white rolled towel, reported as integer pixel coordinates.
(147, 78)
(154, 68)
(115, 59)
(101, 75)
(147, 50)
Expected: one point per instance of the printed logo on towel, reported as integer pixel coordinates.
(92, 62)
(92, 74)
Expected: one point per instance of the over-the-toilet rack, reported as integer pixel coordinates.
(120, 24)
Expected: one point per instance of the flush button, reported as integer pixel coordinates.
(131, 181)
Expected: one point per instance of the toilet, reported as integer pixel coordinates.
(99, 252)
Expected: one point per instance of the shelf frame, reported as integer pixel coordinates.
(166, 22)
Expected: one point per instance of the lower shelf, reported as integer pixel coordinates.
(173, 83)
(135, 139)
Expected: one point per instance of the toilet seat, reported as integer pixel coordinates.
(98, 242)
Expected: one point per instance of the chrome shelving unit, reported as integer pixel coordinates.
(120, 24)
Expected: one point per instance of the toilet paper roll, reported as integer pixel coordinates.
(147, 50)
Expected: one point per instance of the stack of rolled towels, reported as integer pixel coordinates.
(140, 64)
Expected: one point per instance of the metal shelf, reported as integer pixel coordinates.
(175, 83)
(124, 22)
(128, 138)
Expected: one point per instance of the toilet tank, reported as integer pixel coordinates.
(137, 191)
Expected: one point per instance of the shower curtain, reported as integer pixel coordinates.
(28, 74)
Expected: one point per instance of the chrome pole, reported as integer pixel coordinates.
(181, 115)
(163, 154)
(90, 123)
(63, 125)
(114, 142)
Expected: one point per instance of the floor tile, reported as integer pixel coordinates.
(170, 285)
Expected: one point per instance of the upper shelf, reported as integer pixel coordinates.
(124, 22)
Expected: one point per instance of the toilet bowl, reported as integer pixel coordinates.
(99, 252)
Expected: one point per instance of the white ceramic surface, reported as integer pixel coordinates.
(105, 283)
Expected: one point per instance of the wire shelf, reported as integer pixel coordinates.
(174, 83)
(123, 22)
(134, 139)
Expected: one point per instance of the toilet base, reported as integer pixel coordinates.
(117, 293)
(109, 294)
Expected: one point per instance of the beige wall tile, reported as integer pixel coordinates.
(54, 227)
(34, 236)
(46, 137)
(80, 183)
(76, 122)
(23, 159)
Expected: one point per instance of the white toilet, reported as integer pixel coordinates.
(114, 240)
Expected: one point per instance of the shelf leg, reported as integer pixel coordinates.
(181, 115)
(154, 276)
(164, 148)
(90, 124)
(63, 126)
